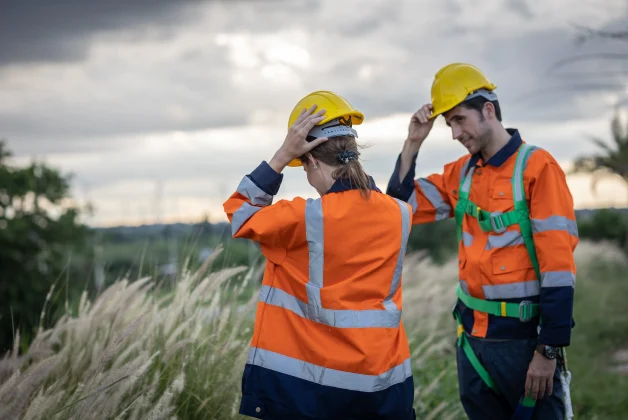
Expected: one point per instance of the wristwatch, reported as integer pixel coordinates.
(550, 352)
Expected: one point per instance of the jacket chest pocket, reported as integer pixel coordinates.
(501, 197)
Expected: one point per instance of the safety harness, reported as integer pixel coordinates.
(498, 222)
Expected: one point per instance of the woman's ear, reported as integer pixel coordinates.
(311, 160)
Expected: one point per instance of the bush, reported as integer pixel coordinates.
(606, 225)
(437, 239)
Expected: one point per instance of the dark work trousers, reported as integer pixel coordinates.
(507, 363)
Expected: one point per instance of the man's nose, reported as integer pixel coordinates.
(456, 132)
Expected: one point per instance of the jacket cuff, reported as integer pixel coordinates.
(555, 336)
(404, 189)
(266, 178)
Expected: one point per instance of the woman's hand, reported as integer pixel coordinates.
(295, 145)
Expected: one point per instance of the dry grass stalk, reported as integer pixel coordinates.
(132, 353)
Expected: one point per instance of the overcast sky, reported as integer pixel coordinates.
(160, 107)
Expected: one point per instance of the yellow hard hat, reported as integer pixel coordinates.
(453, 84)
(335, 107)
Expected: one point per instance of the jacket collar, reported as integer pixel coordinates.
(503, 154)
(344, 184)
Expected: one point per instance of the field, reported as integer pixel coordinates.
(136, 352)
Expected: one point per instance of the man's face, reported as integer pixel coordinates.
(469, 127)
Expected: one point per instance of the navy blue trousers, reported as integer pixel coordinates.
(507, 363)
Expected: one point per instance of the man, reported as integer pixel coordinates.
(517, 233)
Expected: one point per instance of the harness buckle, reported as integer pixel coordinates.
(471, 210)
(497, 220)
(525, 313)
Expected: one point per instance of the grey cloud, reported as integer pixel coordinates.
(520, 7)
(34, 31)
(128, 95)
(519, 64)
(553, 89)
(403, 43)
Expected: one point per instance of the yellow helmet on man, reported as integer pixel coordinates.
(336, 107)
(454, 83)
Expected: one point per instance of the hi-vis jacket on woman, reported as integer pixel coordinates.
(496, 266)
(328, 337)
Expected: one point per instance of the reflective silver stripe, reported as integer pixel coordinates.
(326, 376)
(405, 232)
(315, 240)
(558, 279)
(253, 193)
(464, 286)
(467, 183)
(467, 239)
(532, 149)
(555, 223)
(513, 290)
(508, 238)
(413, 201)
(520, 168)
(463, 171)
(338, 318)
(314, 234)
(241, 215)
(435, 198)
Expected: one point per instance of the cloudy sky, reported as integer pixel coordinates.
(159, 107)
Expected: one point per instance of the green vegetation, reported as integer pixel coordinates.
(36, 248)
(601, 313)
(131, 353)
(48, 257)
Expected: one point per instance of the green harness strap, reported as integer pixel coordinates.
(497, 222)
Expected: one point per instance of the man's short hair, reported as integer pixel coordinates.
(478, 102)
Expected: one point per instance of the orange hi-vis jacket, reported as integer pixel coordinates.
(328, 339)
(496, 266)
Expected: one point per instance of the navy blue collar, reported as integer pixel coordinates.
(343, 184)
(504, 153)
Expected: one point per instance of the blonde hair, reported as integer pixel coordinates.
(342, 152)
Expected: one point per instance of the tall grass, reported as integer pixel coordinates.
(132, 353)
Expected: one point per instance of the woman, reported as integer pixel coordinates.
(328, 341)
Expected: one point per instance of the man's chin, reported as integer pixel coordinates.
(471, 149)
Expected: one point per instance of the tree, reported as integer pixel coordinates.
(39, 229)
(611, 160)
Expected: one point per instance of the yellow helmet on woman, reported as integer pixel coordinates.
(340, 116)
(457, 82)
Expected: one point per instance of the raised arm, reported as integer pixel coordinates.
(250, 210)
(427, 196)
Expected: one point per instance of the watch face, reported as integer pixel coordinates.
(551, 352)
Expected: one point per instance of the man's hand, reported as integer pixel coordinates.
(540, 379)
(420, 126)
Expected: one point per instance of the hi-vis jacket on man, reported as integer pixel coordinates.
(328, 334)
(496, 266)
